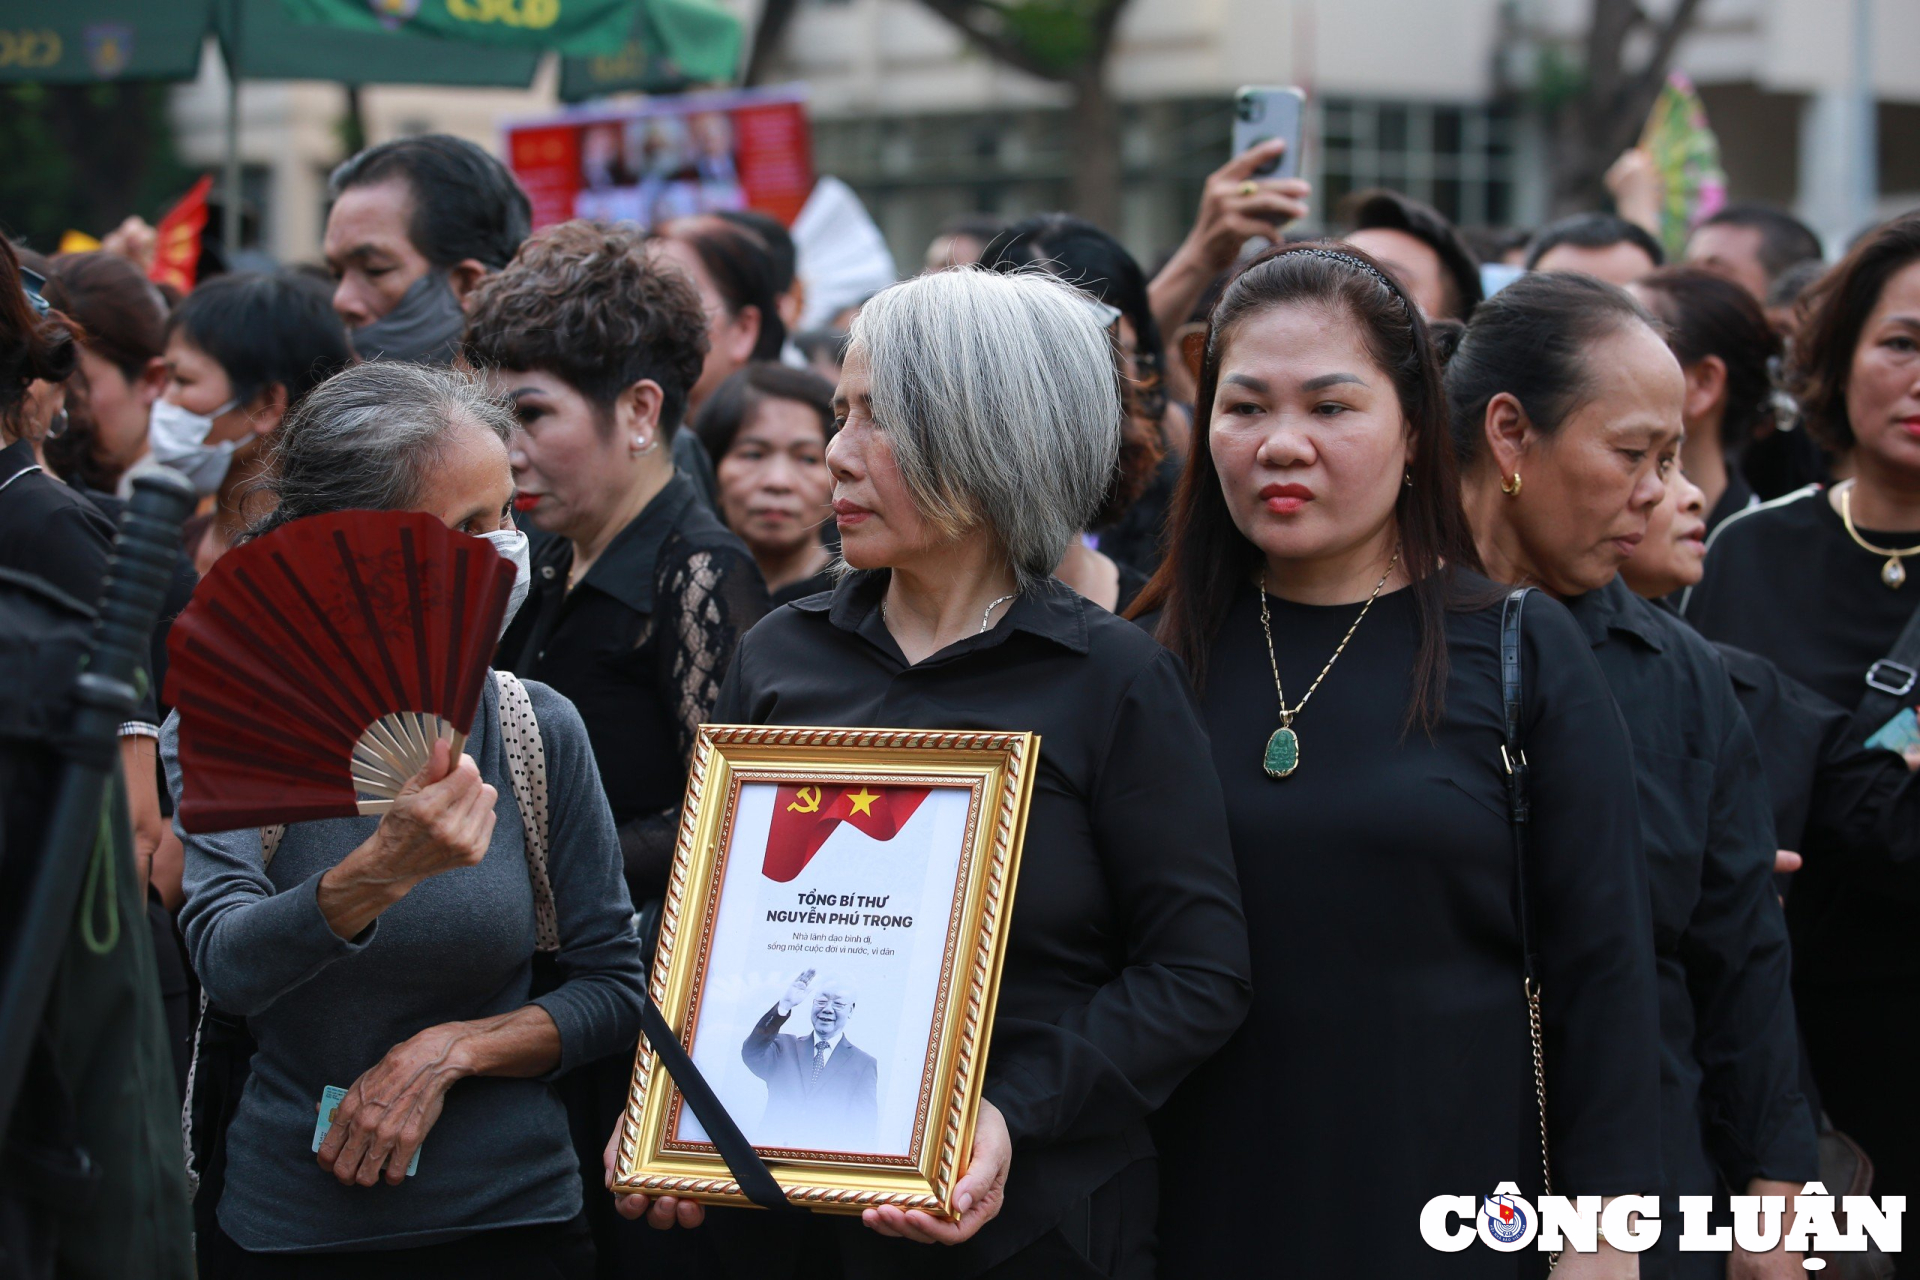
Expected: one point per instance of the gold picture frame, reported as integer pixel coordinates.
(787, 797)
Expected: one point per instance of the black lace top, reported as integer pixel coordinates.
(641, 645)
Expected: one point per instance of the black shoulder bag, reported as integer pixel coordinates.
(1513, 756)
(1890, 683)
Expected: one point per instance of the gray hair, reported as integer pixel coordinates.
(1000, 397)
(366, 439)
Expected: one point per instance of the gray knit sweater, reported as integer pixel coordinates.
(458, 947)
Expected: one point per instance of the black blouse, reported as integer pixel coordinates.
(1786, 582)
(53, 532)
(1127, 958)
(640, 645)
(1853, 811)
(1731, 1106)
(49, 530)
(813, 586)
(1387, 1054)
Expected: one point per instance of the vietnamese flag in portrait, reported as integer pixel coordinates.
(805, 815)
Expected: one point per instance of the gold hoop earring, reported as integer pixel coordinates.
(1511, 487)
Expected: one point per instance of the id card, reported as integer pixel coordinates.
(1898, 734)
(330, 1098)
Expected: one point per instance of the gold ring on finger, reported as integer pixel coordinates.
(1249, 188)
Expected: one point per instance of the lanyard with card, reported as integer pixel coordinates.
(329, 1099)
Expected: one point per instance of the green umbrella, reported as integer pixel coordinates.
(263, 41)
(651, 45)
(583, 27)
(86, 41)
(673, 44)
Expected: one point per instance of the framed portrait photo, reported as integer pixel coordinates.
(829, 954)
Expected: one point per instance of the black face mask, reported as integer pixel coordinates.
(423, 328)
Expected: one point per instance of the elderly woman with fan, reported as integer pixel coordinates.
(389, 965)
(981, 423)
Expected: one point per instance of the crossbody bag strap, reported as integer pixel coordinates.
(527, 767)
(1893, 683)
(1513, 758)
(527, 764)
(269, 845)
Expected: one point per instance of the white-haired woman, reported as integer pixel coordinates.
(980, 425)
(394, 958)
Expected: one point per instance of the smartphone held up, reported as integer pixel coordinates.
(1263, 113)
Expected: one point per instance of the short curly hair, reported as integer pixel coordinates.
(585, 302)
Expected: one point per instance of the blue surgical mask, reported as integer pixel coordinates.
(512, 546)
(179, 440)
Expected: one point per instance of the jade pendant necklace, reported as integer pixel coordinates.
(1283, 748)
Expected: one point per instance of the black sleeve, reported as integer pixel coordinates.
(1593, 919)
(707, 599)
(1866, 801)
(1758, 1123)
(1159, 823)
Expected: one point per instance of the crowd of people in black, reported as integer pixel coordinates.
(1263, 991)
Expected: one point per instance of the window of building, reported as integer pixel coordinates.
(1458, 158)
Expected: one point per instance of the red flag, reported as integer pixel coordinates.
(176, 253)
(804, 816)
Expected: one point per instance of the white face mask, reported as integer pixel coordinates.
(512, 546)
(179, 440)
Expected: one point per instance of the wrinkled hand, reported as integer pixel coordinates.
(388, 1111)
(978, 1196)
(1776, 1263)
(442, 819)
(662, 1213)
(1230, 214)
(797, 992)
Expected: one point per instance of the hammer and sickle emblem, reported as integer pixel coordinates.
(806, 800)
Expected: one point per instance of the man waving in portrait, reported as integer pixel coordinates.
(822, 1091)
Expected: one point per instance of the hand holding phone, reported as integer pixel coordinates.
(1265, 113)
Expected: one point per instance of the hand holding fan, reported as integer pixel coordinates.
(317, 665)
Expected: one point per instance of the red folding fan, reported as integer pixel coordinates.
(316, 666)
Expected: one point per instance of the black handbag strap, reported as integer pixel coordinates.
(1514, 760)
(1513, 756)
(749, 1170)
(1893, 683)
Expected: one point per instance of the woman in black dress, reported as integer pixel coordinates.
(961, 468)
(1823, 583)
(640, 593)
(1566, 409)
(1319, 546)
(767, 428)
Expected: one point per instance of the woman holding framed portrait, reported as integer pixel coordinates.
(1320, 584)
(980, 423)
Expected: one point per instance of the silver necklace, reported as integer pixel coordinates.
(986, 619)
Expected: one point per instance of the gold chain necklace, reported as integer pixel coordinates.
(1283, 748)
(1893, 573)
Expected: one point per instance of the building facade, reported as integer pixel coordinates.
(1438, 98)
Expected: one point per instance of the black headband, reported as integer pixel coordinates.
(1334, 255)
